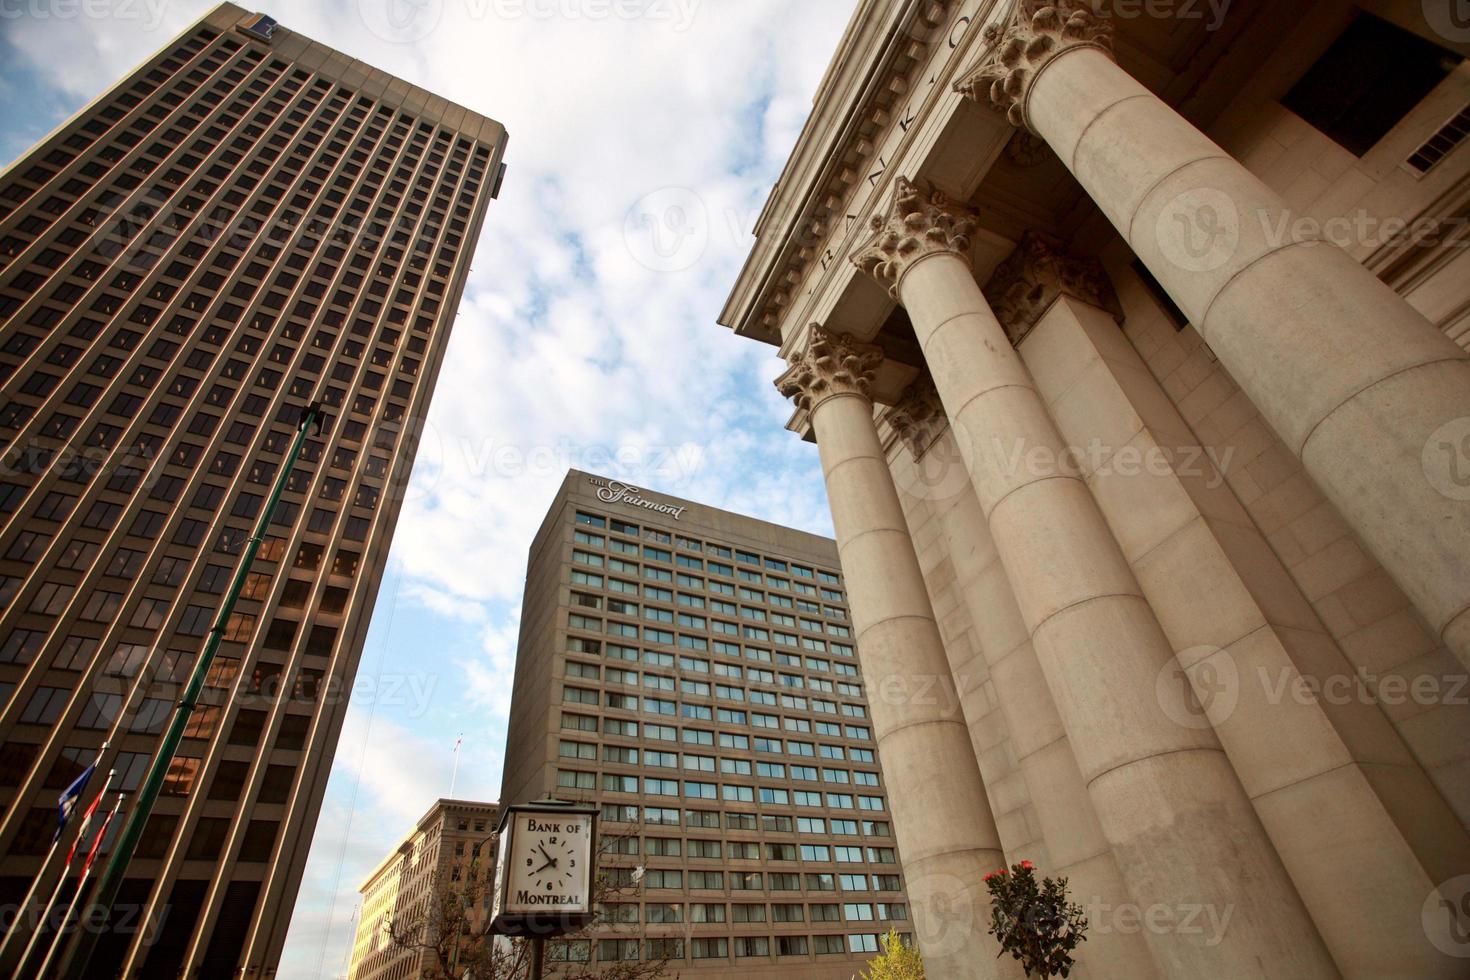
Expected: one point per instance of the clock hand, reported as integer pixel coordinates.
(548, 864)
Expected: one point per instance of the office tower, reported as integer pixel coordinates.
(1140, 409)
(692, 672)
(449, 847)
(245, 223)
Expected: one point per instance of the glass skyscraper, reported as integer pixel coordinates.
(248, 222)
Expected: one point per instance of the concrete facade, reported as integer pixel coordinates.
(1176, 423)
(693, 672)
(245, 223)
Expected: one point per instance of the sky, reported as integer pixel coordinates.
(644, 138)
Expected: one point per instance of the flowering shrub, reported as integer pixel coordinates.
(1033, 921)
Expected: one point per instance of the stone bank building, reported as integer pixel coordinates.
(1133, 341)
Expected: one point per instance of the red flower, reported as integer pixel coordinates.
(1028, 865)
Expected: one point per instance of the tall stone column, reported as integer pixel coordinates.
(1073, 840)
(941, 816)
(1179, 822)
(1372, 397)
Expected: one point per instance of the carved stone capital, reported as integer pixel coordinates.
(832, 364)
(918, 417)
(1016, 51)
(1025, 285)
(918, 223)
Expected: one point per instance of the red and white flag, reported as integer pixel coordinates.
(87, 822)
(101, 836)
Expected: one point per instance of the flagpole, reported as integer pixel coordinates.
(25, 903)
(74, 965)
(60, 881)
(81, 887)
(454, 773)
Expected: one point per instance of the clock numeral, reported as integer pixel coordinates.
(551, 840)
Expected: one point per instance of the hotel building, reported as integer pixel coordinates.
(449, 848)
(692, 672)
(1146, 428)
(247, 222)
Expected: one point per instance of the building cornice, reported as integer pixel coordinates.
(858, 106)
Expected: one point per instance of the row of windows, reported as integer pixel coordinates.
(697, 621)
(574, 722)
(725, 648)
(694, 671)
(695, 547)
(742, 850)
(651, 786)
(698, 712)
(709, 948)
(654, 573)
(749, 881)
(702, 913)
(568, 749)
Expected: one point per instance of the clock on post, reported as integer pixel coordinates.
(544, 869)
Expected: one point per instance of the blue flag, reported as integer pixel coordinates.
(66, 804)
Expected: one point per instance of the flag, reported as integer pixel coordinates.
(67, 802)
(101, 835)
(86, 822)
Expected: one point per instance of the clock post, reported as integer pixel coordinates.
(544, 871)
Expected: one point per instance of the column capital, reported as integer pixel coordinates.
(1026, 284)
(918, 223)
(832, 364)
(1018, 49)
(918, 416)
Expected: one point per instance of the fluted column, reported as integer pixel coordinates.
(1371, 396)
(941, 816)
(1075, 845)
(1171, 806)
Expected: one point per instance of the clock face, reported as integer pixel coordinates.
(552, 863)
(546, 864)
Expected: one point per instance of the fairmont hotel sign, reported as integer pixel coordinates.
(613, 492)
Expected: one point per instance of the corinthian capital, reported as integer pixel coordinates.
(918, 223)
(1017, 51)
(918, 416)
(832, 364)
(1025, 285)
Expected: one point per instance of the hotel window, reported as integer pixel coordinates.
(617, 950)
(578, 750)
(706, 912)
(791, 945)
(752, 946)
(665, 949)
